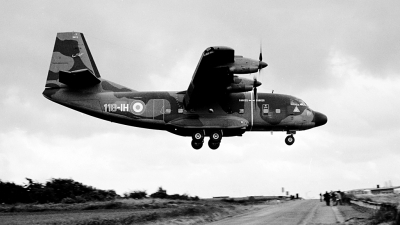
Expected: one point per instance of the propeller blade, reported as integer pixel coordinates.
(255, 97)
(260, 66)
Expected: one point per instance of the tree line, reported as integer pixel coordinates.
(69, 191)
(160, 193)
(53, 191)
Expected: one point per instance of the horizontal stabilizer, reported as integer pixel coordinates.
(78, 78)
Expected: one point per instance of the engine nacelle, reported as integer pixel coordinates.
(240, 84)
(243, 69)
(235, 88)
(243, 65)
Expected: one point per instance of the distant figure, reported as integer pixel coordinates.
(338, 198)
(320, 197)
(333, 197)
(327, 198)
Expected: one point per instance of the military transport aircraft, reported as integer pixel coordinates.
(217, 102)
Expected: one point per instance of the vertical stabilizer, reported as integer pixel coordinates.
(72, 63)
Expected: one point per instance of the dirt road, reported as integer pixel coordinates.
(294, 212)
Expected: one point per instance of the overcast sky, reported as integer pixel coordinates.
(341, 57)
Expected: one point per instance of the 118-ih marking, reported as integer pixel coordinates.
(115, 107)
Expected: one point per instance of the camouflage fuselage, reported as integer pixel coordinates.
(216, 103)
(235, 113)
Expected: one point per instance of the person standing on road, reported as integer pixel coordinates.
(333, 197)
(320, 197)
(338, 198)
(327, 198)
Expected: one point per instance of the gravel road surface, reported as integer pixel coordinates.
(293, 212)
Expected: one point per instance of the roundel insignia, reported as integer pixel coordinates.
(137, 107)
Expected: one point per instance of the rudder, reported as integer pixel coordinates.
(72, 63)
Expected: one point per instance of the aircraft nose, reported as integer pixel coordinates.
(320, 119)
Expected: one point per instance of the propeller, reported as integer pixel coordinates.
(261, 65)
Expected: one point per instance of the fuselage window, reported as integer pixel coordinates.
(265, 108)
(297, 102)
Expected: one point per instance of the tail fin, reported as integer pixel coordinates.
(72, 63)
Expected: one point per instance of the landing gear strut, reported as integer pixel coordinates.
(289, 140)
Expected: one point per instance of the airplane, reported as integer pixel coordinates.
(217, 103)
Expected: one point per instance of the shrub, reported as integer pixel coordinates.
(136, 194)
(80, 199)
(385, 214)
(68, 200)
(161, 193)
(11, 193)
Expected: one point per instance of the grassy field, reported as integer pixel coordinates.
(124, 211)
(387, 214)
(381, 198)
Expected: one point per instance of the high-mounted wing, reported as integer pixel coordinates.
(214, 76)
(208, 77)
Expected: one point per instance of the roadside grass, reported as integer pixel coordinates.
(388, 213)
(190, 211)
(122, 211)
(381, 198)
(114, 204)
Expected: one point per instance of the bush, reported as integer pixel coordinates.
(136, 194)
(54, 191)
(385, 214)
(80, 199)
(68, 200)
(11, 193)
(195, 198)
(161, 193)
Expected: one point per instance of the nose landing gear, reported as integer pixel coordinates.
(289, 140)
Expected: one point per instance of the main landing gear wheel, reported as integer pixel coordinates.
(198, 139)
(289, 140)
(215, 139)
(197, 145)
(198, 136)
(213, 145)
(216, 136)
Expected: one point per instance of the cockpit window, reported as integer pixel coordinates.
(297, 102)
